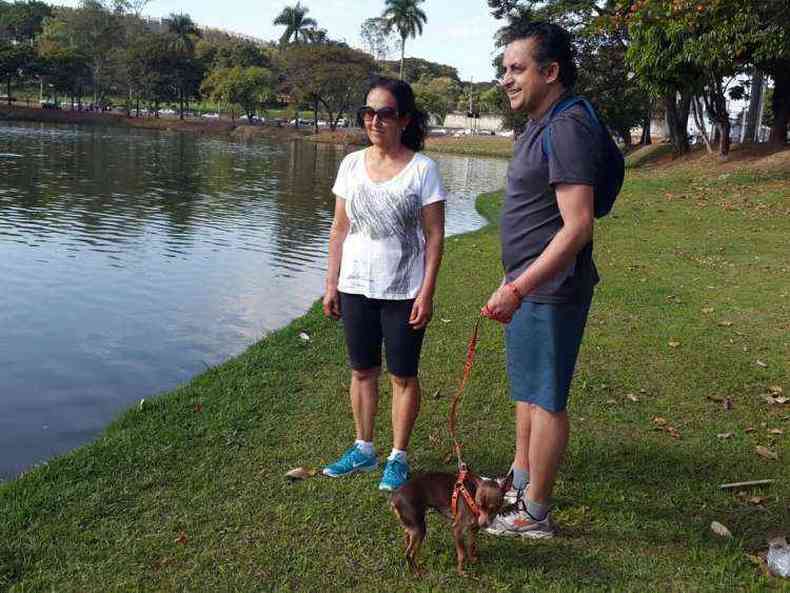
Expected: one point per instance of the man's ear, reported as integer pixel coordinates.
(552, 72)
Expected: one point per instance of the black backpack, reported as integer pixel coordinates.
(611, 175)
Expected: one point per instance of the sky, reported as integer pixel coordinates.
(458, 33)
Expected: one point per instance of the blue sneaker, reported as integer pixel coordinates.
(351, 462)
(396, 472)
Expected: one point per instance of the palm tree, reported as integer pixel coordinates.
(184, 31)
(407, 18)
(297, 25)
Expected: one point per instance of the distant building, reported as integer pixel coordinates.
(491, 122)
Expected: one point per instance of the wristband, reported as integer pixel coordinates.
(515, 291)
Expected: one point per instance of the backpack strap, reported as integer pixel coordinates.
(564, 105)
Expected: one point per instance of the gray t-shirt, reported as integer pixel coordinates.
(531, 216)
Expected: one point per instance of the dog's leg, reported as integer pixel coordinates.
(473, 557)
(459, 533)
(416, 535)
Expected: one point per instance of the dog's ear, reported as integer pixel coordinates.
(508, 482)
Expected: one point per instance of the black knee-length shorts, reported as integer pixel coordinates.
(369, 322)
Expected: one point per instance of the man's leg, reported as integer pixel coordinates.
(548, 438)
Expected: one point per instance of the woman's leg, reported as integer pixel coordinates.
(406, 397)
(364, 401)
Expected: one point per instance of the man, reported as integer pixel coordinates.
(546, 233)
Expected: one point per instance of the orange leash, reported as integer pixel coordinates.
(470, 359)
(460, 487)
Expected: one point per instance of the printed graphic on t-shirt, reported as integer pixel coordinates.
(383, 214)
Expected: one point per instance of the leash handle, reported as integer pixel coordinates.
(470, 358)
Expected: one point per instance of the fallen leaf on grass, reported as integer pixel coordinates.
(725, 323)
(707, 310)
(766, 453)
(776, 431)
(632, 397)
(749, 429)
(304, 336)
(724, 435)
(760, 363)
(774, 389)
(727, 404)
(198, 408)
(437, 394)
(659, 421)
(300, 473)
(182, 538)
(673, 344)
(720, 529)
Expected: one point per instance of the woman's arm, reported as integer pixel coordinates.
(337, 236)
(433, 227)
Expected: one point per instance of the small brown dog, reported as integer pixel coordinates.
(436, 490)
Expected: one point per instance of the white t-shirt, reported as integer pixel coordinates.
(384, 251)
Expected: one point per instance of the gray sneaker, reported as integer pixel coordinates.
(517, 522)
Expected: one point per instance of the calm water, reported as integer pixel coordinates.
(130, 260)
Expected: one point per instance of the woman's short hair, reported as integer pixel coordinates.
(413, 136)
(552, 44)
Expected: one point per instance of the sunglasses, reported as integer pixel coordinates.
(386, 115)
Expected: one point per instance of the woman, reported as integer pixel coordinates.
(385, 248)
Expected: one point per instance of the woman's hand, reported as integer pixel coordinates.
(332, 303)
(421, 312)
(502, 304)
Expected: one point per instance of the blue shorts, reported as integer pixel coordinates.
(542, 343)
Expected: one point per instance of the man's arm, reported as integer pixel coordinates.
(576, 208)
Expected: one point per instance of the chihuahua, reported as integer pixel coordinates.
(435, 490)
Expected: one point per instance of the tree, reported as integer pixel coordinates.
(22, 21)
(377, 38)
(14, 61)
(187, 71)
(184, 32)
(436, 96)
(407, 18)
(247, 87)
(328, 76)
(297, 25)
(66, 70)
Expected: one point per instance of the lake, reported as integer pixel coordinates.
(132, 260)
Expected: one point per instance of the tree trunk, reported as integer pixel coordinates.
(402, 55)
(752, 126)
(724, 141)
(677, 108)
(780, 104)
(646, 137)
(8, 90)
(699, 122)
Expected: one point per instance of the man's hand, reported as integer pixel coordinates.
(502, 304)
(332, 303)
(421, 312)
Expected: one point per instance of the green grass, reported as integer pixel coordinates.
(188, 494)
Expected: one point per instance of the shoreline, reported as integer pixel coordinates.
(479, 146)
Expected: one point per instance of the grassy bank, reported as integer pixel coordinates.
(486, 146)
(687, 341)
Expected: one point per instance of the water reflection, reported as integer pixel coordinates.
(132, 259)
